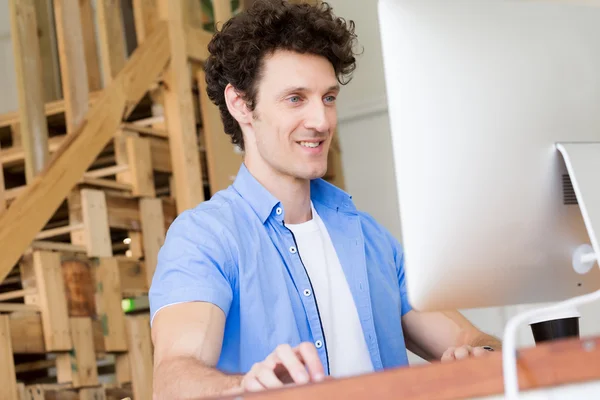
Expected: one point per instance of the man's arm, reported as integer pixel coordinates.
(444, 336)
(187, 341)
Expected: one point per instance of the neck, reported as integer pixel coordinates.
(293, 193)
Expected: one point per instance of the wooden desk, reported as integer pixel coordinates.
(547, 366)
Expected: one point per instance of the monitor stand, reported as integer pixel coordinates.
(583, 165)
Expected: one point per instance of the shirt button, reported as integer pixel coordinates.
(293, 250)
(318, 344)
(278, 211)
(307, 292)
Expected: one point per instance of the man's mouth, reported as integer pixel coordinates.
(311, 145)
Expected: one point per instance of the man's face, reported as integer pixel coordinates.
(295, 115)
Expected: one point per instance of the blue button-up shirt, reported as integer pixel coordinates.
(235, 251)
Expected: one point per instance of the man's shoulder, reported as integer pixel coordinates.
(217, 214)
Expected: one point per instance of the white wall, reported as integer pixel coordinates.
(368, 162)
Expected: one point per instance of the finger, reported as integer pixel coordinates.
(308, 353)
(292, 363)
(253, 385)
(462, 352)
(448, 355)
(267, 378)
(479, 351)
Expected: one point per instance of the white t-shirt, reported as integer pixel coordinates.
(346, 346)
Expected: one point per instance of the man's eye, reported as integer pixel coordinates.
(294, 99)
(329, 99)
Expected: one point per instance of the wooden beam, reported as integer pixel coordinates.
(48, 50)
(51, 108)
(28, 67)
(197, 43)
(90, 45)
(43, 271)
(79, 366)
(27, 335)
(153, 233)
(179, 112)
(108, 304)
(139, 158)
(145, 13)
(222, 158)
(139, 343)
(73, 67)
(222, 11)
(8, 376)
(36, 205)
(2, 189)
(112, 38)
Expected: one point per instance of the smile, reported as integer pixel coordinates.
(311, 145)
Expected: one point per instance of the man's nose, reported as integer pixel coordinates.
(316, 118)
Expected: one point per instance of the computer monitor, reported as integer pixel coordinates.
(480, 93)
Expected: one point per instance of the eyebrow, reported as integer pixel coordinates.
(293, 89)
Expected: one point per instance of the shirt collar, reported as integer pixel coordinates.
(263, 202)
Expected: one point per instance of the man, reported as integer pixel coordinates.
(279, 278)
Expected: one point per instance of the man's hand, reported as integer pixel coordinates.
(285, 365)
(462, 352)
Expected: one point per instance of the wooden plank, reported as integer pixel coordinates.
(48, 233)
(193, 13)
(197, 43)
(26, 332)
(111, 38)
(78, 367)
(222, 158)
(108, 171)
(135, 245)
(179, 113)
(8, 376)
(153, 233)
(132, 275)
(122, 369)
(108, 304)
(140, 355)
(48, 50)
(222, 11)
(57, 246)
(52, 108)
(95, 235)
(139, 158)
(546, 365)
(37, 204)
(30, 86)
(42, 270)
(72, 58)
(16, 294)
(144, 129)
(12, 307)
(3, 200)
(79, 286)
(96, 393)
(105, 183)
(145, 13)
(335, 170)
(90, 45)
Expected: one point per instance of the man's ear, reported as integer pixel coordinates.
(237, 105)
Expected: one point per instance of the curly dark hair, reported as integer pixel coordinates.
(237, 50)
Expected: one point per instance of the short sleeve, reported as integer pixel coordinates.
(192, 265)
(399, 255)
